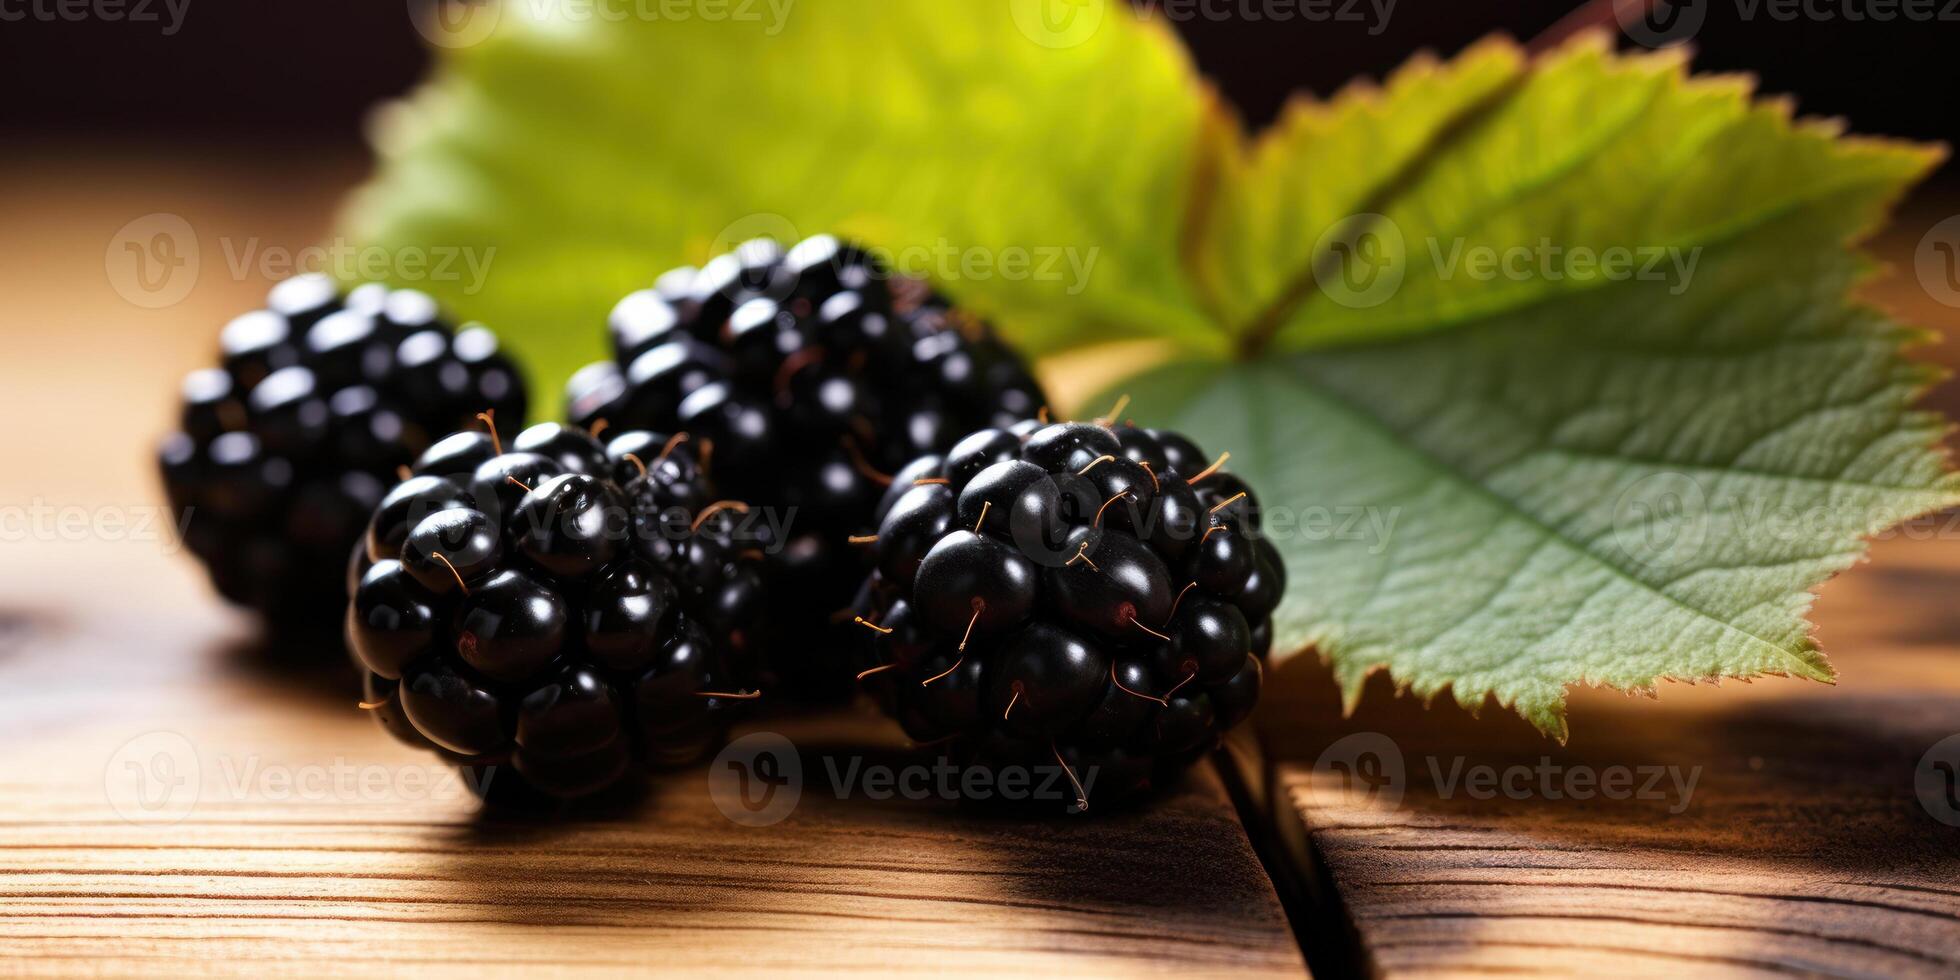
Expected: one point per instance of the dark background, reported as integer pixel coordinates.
(276, 68)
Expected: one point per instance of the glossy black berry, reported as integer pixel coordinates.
(573, 450)
(1112, 585)
(452, 708)
(457, 454)
(1015, 500)
(572, 525)
(1230, 501)
(451, 548)
(815, 375)
(1235, 697)
(552, 630)
(570, 714)
(629, 609)
(1044, 679)
(391, 621)
(914, 523)
(510, 626)
(1221, 561)
(976, 452)
(500, 483)
(404, 506)
(1116, 626)
(972, 582)
(1069, 447)
(288, 447)
(1209, 637)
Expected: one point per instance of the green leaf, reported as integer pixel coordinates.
(593, 154)
(1582, 150)
(1611, 488)
(1488, 478)
(1600, 479)
(1322, 162)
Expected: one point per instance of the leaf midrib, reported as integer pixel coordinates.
(1270, 324)
(1263, 329)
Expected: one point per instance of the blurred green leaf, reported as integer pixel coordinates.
(1562, 471)
(594, 154)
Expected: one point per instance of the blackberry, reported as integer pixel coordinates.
(558, 615)
(813, 372)
(1098, 597)
(284, 449)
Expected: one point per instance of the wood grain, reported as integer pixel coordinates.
(330, 875)
(1802, 847)
(112, 652)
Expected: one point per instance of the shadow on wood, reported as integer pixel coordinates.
(1772, 827)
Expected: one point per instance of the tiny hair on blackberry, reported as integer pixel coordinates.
(810, 373)
(284, 449)
(1088, 599)
(558, 614)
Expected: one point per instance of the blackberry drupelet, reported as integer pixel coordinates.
(555, 617)
(813, 373)
(285, 448)
(1070, 593)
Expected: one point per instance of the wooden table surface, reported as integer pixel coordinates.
(1802, 848)
(1800, 845)
(1804, 844)
(262, 848)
